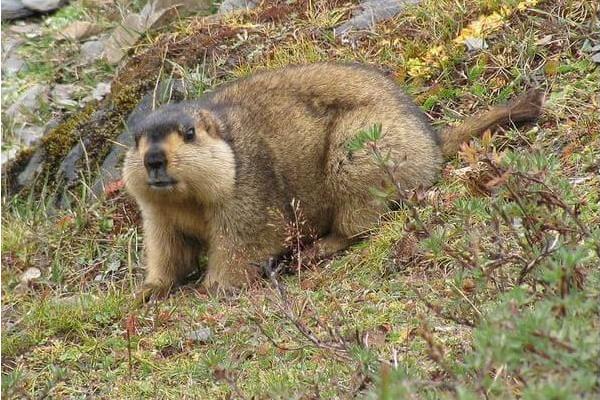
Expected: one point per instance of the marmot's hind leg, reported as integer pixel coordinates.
(352, 219)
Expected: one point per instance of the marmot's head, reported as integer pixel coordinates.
(179, 155)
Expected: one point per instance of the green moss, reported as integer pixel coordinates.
(61, 139)
(97, 129)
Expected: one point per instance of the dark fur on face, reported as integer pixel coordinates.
(156, 126)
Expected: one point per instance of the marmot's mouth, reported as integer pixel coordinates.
(162, 184)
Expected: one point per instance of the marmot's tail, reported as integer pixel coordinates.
(526, 107)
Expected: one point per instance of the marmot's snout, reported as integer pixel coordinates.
(155, 162)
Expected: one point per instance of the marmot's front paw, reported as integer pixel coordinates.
(151, 291)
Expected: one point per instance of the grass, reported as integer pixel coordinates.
(485, 286)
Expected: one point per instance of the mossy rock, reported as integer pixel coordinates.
(79, 144)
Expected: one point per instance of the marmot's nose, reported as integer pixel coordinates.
(155, 159)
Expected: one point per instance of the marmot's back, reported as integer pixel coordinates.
(306, 115)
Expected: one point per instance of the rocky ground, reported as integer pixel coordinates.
(486, 285)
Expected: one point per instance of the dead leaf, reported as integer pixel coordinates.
(30, 274)
(79, 30)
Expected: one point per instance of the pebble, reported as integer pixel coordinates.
(28, 102)
(200, 335)
(62, 95)
(28, 135)
(92, 50)
(13, 64)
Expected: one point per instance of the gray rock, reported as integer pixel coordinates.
(234, 5)
(590, 46)
(28, 135)
(62, 95)
(26, 28)
(14, 9)
(110, 170)
(373, 11)
(200, 335)
(36, 162)
(7, 155)
(596, 58)
(13, 64)
(474, 43)
(122, 38)
(44, 5)
(10, 44)
(27, 103)
(101, 90)
(92, 50)
(68, 168)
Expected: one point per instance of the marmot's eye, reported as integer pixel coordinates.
(189, 135)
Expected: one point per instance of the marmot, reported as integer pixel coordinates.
(216, 176)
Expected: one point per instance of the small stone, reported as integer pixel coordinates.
(372, 11)
(596, 58)
(25, 28)
(101, 90)
(79, 30)
(113, 265)
(30, 274)
(33, 168)
(62, 95)
(13, 64)
(200, 335)
(43, 5)
(29, 134)
(11, 43)
(474, 43)
(7, 155)
(92, 50)
(28, 102)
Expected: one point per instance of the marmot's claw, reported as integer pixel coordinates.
(150, 291)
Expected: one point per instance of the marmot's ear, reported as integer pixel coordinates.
(209, 122)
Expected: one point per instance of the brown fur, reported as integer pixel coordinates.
(273, 137)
